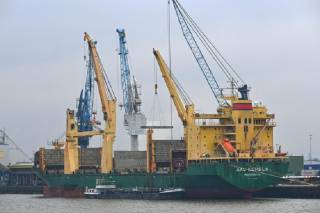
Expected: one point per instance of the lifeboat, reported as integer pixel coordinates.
(281, 154)
(228, 146)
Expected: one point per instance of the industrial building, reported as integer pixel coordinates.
(311, 168)
(20, 178)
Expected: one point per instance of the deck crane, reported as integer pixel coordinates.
(108, 103)
(182, 102)
(240, 129)
(191, 31)
(85, 105)
(233, 128)
(133, 118)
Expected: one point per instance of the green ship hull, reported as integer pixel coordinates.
(201, 179)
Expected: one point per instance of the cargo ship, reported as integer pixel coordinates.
(224, 155)
(202, 179)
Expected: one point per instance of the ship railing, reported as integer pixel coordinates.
(211, 122)
(270, 123)
(231, 159)
(104, 182)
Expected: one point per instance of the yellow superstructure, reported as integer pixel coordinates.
(240, 126)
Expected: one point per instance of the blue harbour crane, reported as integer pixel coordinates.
(85, 105)
(133, 118)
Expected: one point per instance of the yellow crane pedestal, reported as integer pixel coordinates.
(71, 153)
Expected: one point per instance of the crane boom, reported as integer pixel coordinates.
(127, 90)
(196, 51)
(133, 117)
(174, 92)
(105, 90)
(108, 103)
(185, 109)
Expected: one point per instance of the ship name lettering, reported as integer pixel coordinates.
(252, 169)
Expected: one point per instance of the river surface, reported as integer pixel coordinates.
(37, 204)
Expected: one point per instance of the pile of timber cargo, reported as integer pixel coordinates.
(51, 161)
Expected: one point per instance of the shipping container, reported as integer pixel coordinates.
(295, 165)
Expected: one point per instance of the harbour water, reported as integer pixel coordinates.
(10, 203)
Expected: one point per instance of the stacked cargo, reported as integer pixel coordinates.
(90, 158)
(169, 153)
(125, 161)
(179, 161)
(52, 160)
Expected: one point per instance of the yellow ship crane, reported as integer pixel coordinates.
(241, 128)
(108, 103)
(182, 111)
(227, 134)
(183, 104)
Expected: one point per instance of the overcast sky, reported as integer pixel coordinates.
(274, 45)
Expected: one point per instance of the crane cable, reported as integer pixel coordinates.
(184, 95)
(170, 68)
(107, 81)
(191, 24)
(89, 65)
(155, 101)
(209, 46)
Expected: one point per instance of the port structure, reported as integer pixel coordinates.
(240, 129)
(133, 117)
(7, 145)
(108, 104)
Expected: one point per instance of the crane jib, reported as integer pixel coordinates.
(213, 84)
(127, 90)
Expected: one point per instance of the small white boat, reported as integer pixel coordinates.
(172, 191)
(91, 193)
